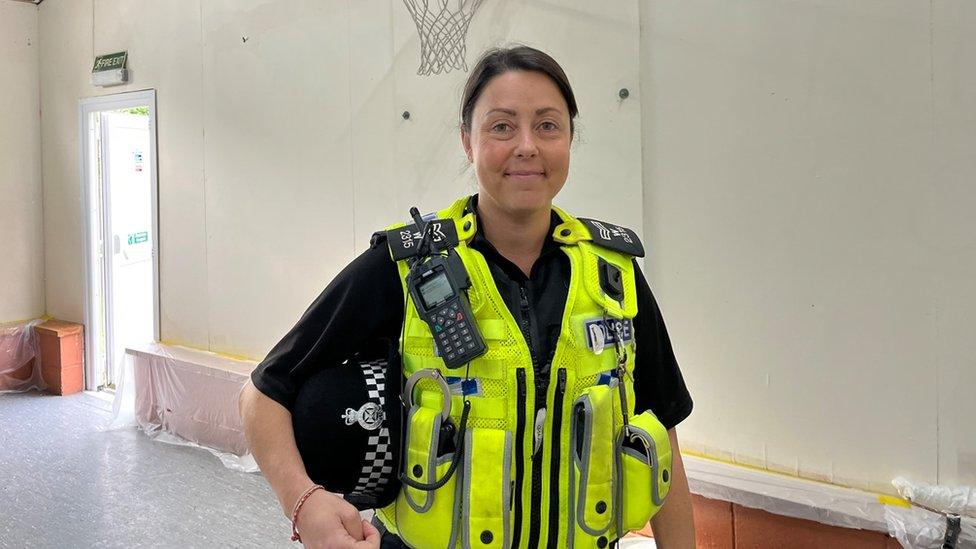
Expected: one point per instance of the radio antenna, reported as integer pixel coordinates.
(426, 242)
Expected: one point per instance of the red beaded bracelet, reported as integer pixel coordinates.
(298, 508)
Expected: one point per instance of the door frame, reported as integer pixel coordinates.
(87, 106)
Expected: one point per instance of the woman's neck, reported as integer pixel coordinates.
(518, 238)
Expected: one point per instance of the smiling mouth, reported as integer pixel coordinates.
(526, 175)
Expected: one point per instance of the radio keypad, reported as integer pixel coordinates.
(452, 332)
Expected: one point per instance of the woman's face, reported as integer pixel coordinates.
(519, 142)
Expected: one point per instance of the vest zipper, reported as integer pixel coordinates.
(526, 325)
(557, 420)
(519, 455)
(535, 521)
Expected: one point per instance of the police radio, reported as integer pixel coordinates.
(437, 283)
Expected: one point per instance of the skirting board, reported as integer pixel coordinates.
(788, 496)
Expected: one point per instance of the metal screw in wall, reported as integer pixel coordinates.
(624, 93)
(406, 115)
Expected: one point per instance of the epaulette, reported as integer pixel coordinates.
(614, 237)
(378, 239)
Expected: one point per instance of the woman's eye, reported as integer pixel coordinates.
(501, 127)
(548, 126)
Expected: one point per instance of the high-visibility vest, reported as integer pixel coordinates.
(594, 479)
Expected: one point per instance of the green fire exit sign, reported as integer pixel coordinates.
(138, 238)
(110, 61)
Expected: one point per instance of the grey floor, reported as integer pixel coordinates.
(65, 483)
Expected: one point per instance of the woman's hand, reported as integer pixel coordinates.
(327, 521)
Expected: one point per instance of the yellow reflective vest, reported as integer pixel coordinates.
(598, 479)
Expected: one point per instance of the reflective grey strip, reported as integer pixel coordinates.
(584, 466)
(431, 457)
(650, 460)
(507, 487)
(456, 512)
(618, 483)
(571, 511)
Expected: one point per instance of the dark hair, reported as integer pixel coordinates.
(497, 61)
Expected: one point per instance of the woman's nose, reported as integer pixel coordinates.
(526, 145)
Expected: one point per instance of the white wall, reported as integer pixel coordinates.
(21, 227)
(808, 171)
(804, 164)
(279, 155)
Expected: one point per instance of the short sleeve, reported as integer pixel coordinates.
(658, 384)
(363, 303)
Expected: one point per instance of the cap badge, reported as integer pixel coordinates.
(370, 416)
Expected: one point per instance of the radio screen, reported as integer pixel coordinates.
(435, 290)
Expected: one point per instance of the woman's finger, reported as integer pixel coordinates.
(372, 536)
(352, 522)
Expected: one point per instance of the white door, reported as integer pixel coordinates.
(128, 236)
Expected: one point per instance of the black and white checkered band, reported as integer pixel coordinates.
(378, 463)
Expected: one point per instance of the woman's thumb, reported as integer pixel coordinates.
(371, 535)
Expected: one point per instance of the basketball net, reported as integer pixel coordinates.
(442, 32)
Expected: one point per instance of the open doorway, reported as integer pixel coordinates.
(118, 152)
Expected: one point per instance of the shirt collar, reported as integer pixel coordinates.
(481, 243)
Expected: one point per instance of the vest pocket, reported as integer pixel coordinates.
(426, 518)
(592, 466)
(486, 497)
(644, 463)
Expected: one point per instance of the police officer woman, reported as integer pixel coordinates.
(568, 354)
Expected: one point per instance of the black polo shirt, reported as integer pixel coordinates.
(365, 302)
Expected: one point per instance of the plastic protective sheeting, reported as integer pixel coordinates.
(783, 495)
(636, 542)
(19, 346)
(924, 528)
(185, 397)
(960, 500)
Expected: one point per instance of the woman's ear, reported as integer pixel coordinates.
(466, 143)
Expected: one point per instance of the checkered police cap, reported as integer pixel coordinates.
(347, 428)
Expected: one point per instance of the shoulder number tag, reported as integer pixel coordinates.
(405, 240)
(614, 237)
